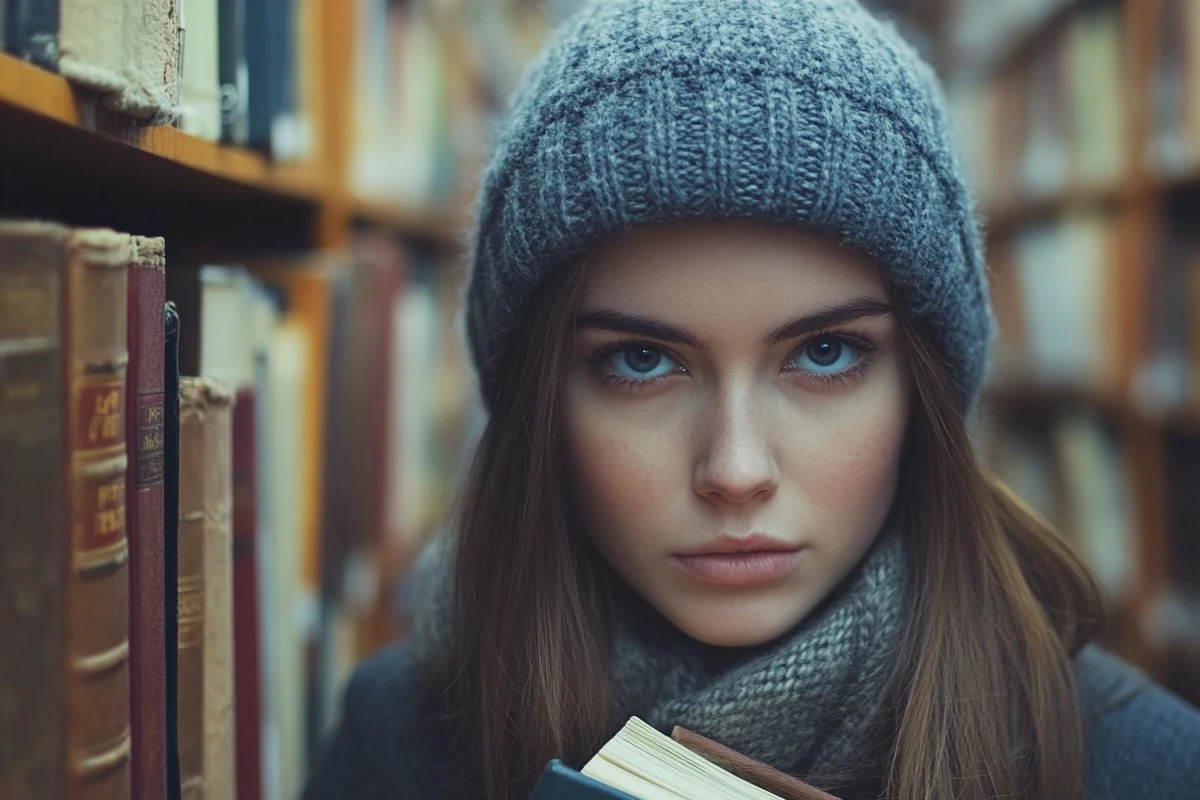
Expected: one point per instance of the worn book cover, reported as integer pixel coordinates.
(32, 496)
(97, 731)
(144, 412)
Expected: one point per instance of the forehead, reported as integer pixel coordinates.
(698, 269)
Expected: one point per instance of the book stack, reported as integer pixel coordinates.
(154, 524)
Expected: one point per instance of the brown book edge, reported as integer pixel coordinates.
(144, 519)
(748, 769)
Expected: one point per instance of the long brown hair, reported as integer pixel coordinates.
(986, 700)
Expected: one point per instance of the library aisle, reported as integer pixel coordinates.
(265, 230)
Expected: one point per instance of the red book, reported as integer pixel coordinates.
(247, 697)
(144, 519)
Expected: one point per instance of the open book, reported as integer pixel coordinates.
(642, 763)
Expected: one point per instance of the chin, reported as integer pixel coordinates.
(727, 625)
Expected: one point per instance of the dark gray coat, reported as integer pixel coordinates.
(1142, 742)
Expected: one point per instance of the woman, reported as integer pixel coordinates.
(729, 314)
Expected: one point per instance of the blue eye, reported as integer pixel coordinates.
(826, 355)
(639, 362)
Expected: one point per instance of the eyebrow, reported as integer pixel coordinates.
(620, 322)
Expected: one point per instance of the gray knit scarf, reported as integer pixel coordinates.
(813, 703)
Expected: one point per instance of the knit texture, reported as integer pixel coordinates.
(813, 703)
(811, 113)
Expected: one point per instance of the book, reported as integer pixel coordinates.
(29, 30)
(232, 71)
(145, 518)
(227, 353)
(96, 732)
(193, 408)
(31, 503)
(287, 368)
(171, 540)
(91, 35)
(219, 722)
(200, 94)
(151, 48)
(560, 782)
(640, 762)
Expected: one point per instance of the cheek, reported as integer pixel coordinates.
(845, 467)
(625, 472)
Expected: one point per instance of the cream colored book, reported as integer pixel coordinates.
(219, 729)
(90, 41)
(150, 46)
(647, 765)
(200, 96)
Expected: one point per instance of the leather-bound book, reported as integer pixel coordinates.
(748, 769)
(171, 540)
(96, 735)
(145, 414)
(248, 708)
(31, 510)
(193, 407)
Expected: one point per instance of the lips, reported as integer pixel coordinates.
(740, 561)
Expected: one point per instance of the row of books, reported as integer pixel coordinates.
(428, 78)
(1074, 466)
(231, 70)
(189, 565)
(1055, 289)
(1063, 299)
(1056, 122)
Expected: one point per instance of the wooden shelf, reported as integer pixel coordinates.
(1004, 220)
(1019, 394)
(439, 227)
(46, 123)
(29, 90)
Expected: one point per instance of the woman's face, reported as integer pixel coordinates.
(736, 401)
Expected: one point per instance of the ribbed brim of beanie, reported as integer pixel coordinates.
(811, 113)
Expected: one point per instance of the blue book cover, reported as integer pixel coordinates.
(560, 782)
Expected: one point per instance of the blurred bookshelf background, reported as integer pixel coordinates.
(309, 166)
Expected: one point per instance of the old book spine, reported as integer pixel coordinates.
(171, 540)
(191, 622)
(31, 501)
(748, 769)
(219, 720)
(144, 483)
(245, 598)
(97, 735)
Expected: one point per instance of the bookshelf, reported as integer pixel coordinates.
(326, 307)
(1144, 208)
(46, 119)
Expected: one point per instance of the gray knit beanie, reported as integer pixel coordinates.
(812, 113)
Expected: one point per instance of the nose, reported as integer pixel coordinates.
(735, 462)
